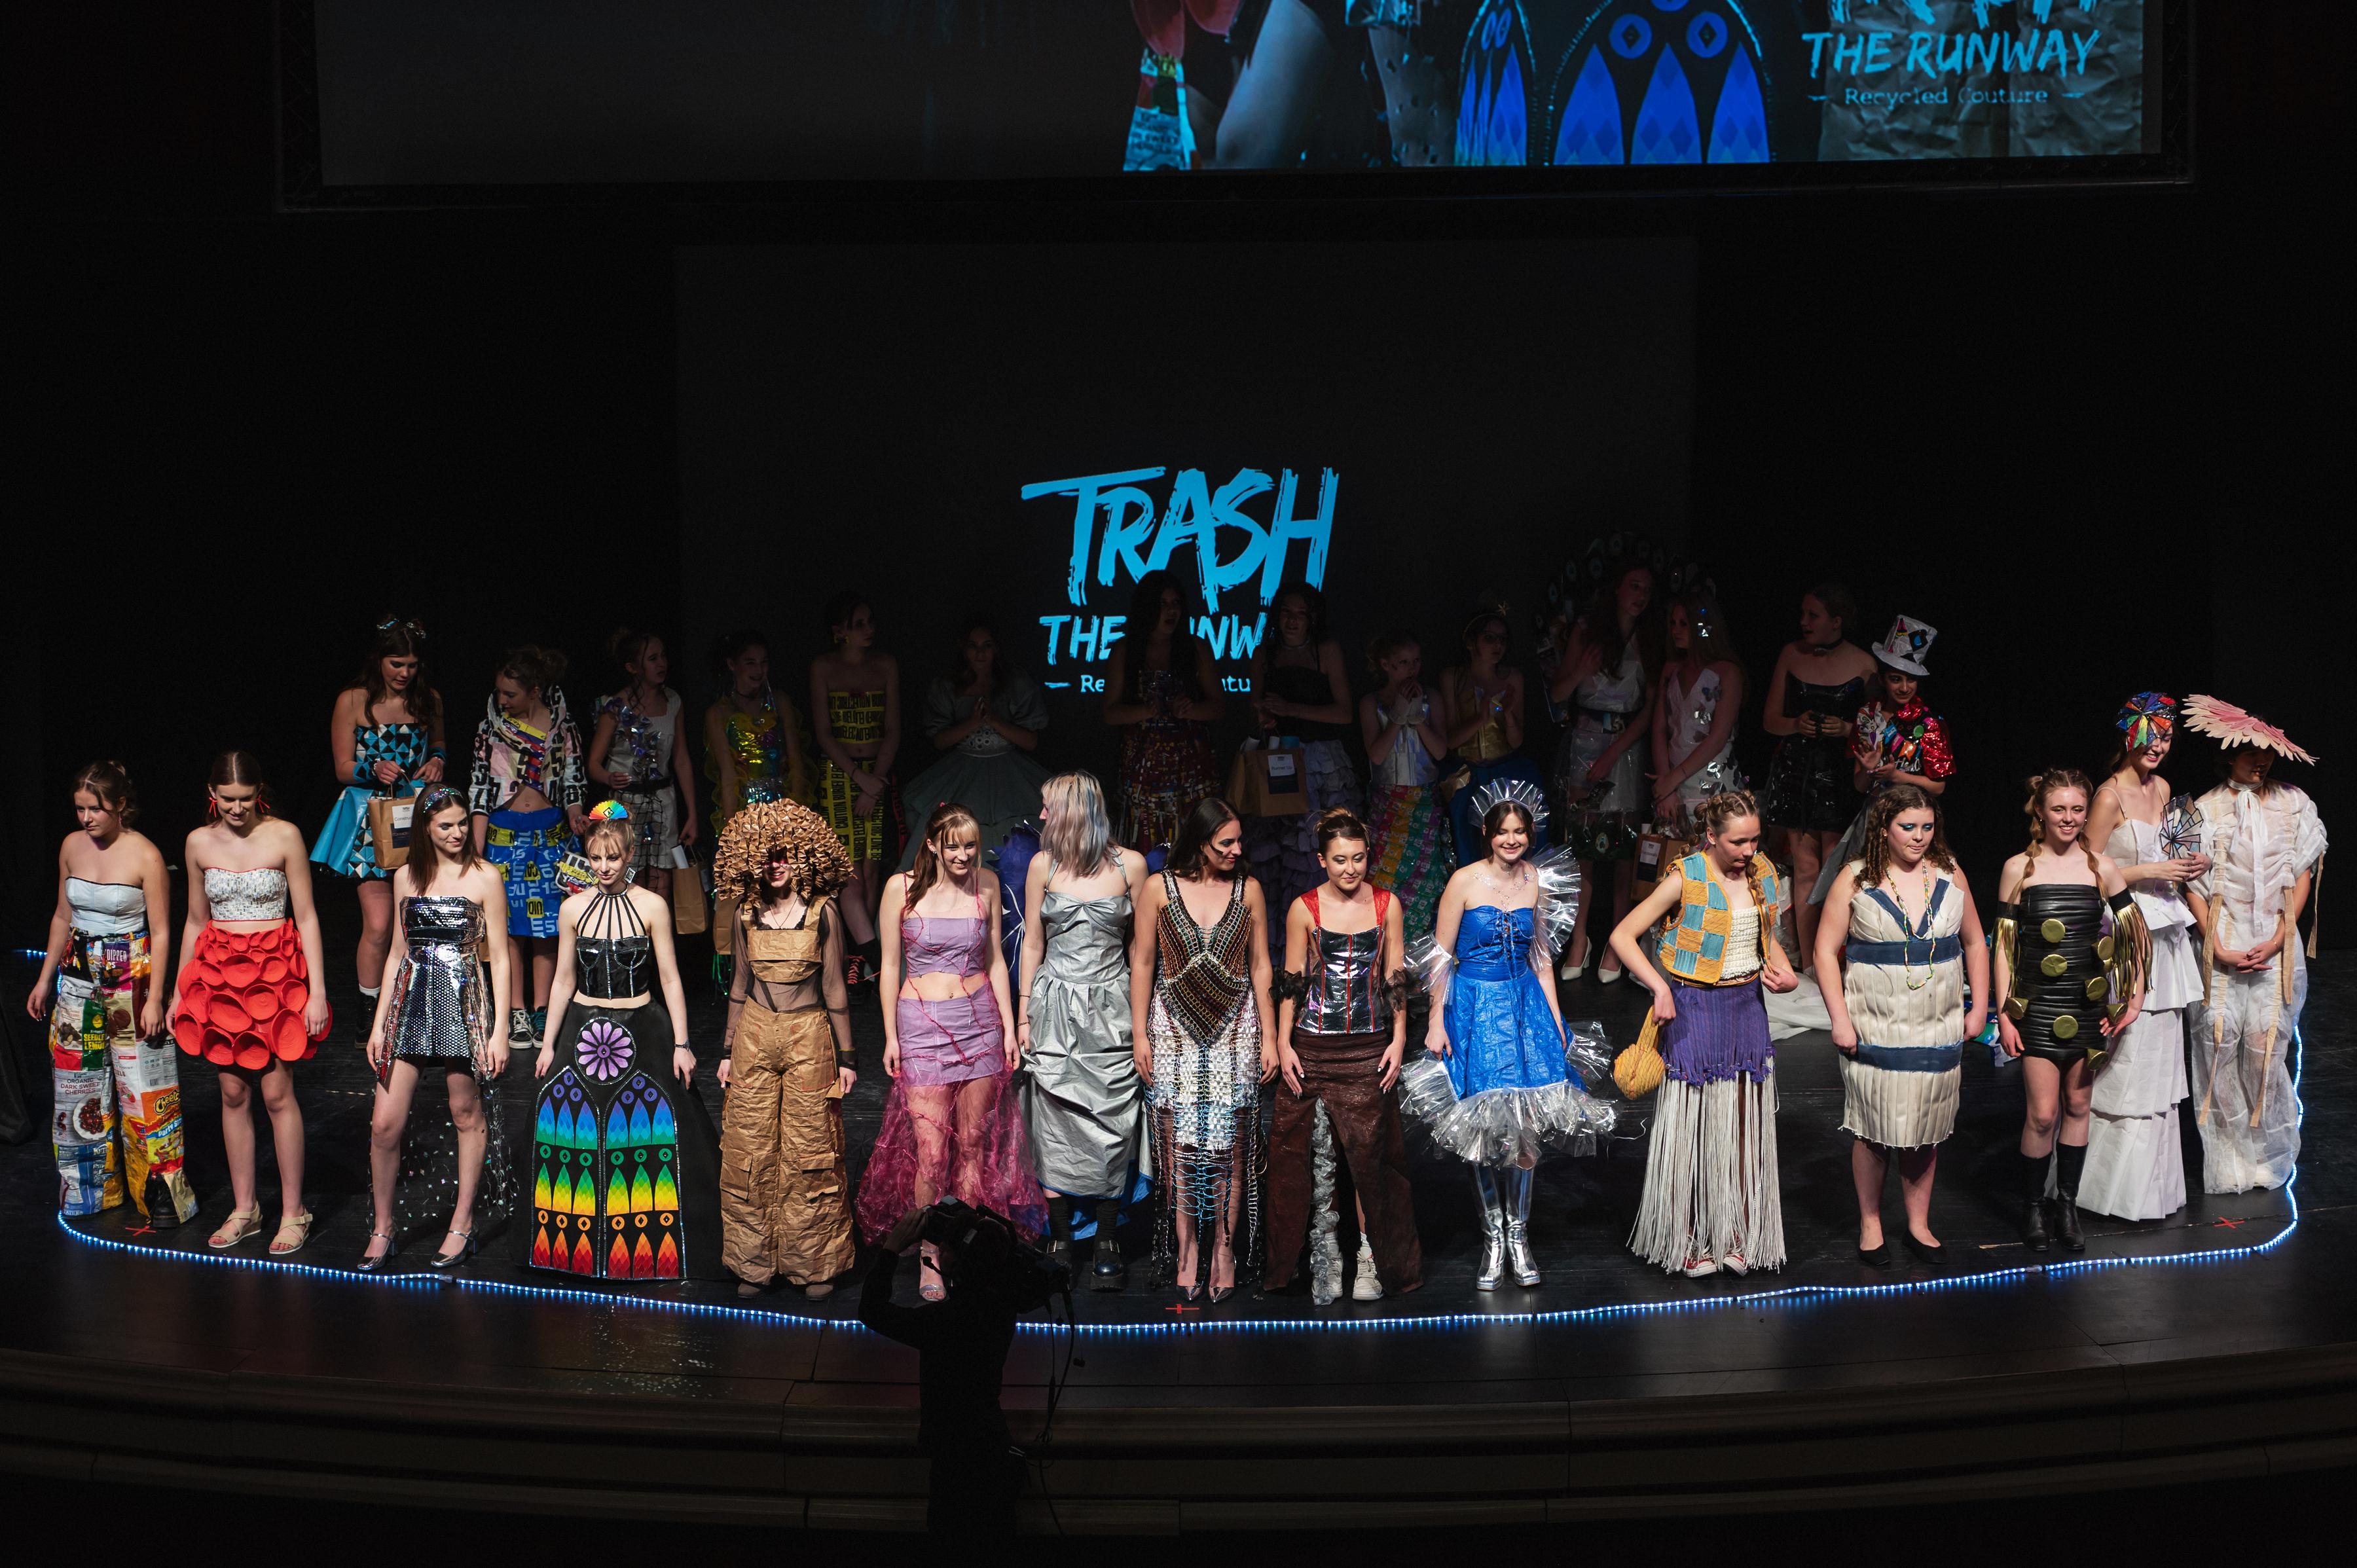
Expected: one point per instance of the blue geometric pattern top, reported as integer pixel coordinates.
(1493, 99)
(1661, 82)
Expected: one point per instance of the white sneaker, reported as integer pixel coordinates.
(1700, 1268)
(1366, 1286)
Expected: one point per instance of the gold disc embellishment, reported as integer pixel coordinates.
(2103, 949)
(2052, 930)
(2065, 1026)
(2099, 988)
(2053, 964)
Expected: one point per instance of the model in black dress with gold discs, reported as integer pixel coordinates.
(2058, 973)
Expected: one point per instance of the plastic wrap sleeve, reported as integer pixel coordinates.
(2008, 944)
(1429, 965)
(1556, 913)
(1588, 1049)
(2128, 963)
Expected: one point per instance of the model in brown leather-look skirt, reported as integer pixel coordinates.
(1343, 1109)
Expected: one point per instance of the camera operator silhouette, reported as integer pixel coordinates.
(989, 1277)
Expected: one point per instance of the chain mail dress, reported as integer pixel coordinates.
(1204, 1030)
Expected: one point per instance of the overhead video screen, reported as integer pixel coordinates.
(535, 92)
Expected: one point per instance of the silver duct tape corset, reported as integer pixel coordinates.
(1345, 996)
(440, 1009)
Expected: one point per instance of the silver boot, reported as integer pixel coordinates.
(1519, 1183)
(1493, 1230)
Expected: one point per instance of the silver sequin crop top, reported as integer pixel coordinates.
(246, 894)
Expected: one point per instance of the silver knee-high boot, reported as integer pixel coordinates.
(1519, 1183)
(1493, 1230)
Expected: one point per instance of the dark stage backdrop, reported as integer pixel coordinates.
(871, 417)
(250, 440)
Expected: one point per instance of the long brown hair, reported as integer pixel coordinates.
(947, 816)
(425, 856)
(2043, 785)
(1881, 813)
(398, 637)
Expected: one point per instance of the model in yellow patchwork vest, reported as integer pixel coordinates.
(1695, 948)
(1711, 1199)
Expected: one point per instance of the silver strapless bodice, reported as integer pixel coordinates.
(246, 894)
(1087, 940)
(440, 1007)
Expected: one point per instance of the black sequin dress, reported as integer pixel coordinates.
(1809, 785)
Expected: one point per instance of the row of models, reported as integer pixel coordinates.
(1151, 1020)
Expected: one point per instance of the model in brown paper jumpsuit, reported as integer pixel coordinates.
(785, 1195)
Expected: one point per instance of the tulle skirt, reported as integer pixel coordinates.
(963, 1140)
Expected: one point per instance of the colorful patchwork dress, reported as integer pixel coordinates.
(100, 1065)
(1413, 852)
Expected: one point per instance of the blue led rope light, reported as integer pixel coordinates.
(1786, 1295)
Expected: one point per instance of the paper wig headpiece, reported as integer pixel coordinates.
(2232, 727)
(609, 812)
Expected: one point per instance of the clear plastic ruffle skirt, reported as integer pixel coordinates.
(1504, 1126)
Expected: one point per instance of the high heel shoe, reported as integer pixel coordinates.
(1607, 977)
(377, 1264)
(445, 1263)
(1569, 971)
(1221, 1293)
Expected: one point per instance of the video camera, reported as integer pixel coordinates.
(984, 1252)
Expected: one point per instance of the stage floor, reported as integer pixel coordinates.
(2227, 1283)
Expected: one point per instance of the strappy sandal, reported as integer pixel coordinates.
(241, 1224)
(300, 1224)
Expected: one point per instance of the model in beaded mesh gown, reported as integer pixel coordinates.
(1202, 1020)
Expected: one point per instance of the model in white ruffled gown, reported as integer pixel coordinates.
(2135, 1167)
(2264, 841)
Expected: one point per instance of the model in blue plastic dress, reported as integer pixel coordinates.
(1498, 1083)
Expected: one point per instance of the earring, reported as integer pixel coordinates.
(213, 809)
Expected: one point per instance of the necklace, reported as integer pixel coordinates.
(1909, 928)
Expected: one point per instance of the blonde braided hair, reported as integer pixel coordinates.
(1714, 815)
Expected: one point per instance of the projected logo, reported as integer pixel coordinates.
(2075, 64)
(1120, 531)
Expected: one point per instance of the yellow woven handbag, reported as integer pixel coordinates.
(1638, 1070)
